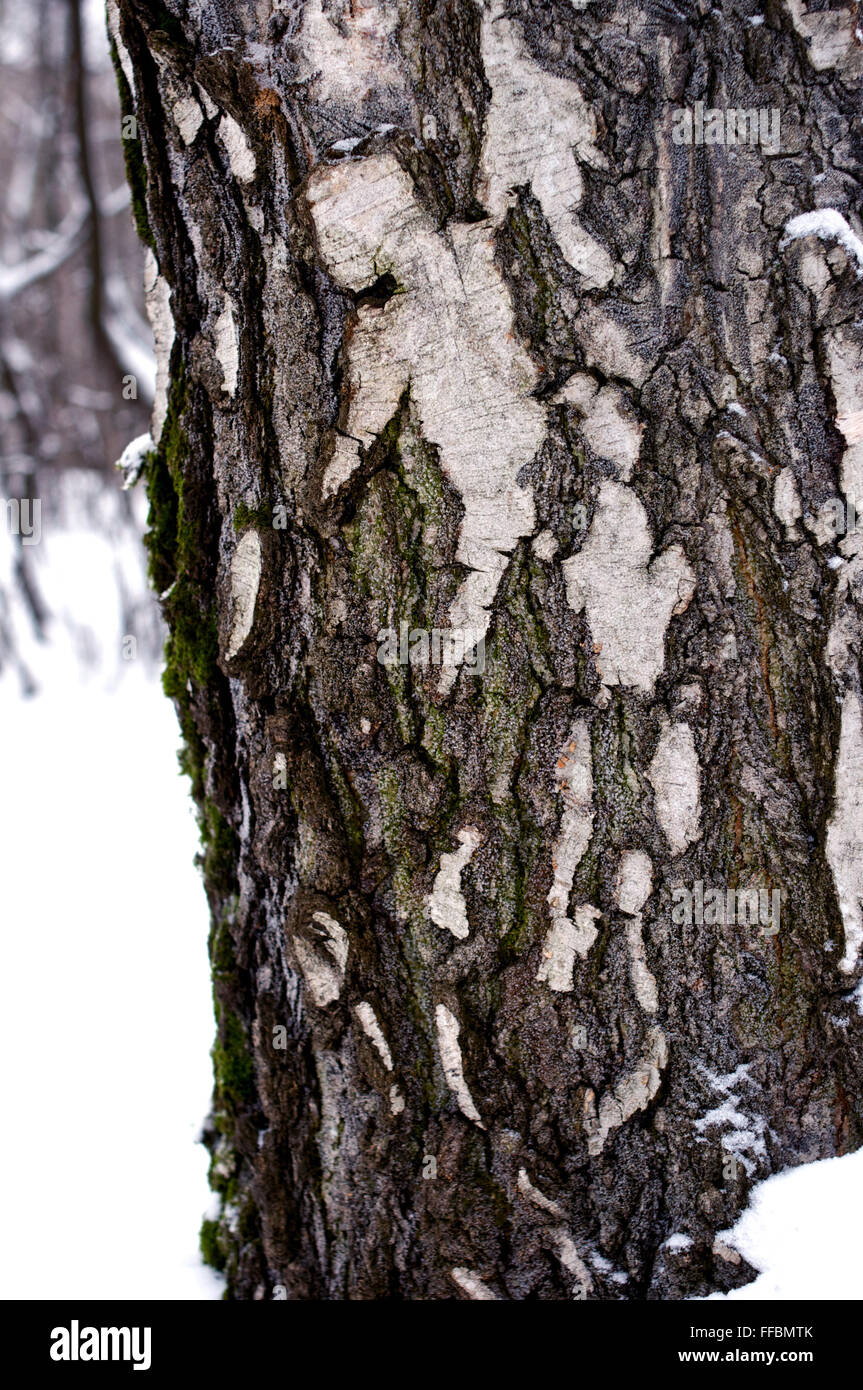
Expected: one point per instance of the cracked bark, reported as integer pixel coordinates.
(462, 336)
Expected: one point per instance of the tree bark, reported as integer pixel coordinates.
(459, 330)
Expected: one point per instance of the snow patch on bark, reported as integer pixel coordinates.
(742, 1133)
(674, 775)
(535, 126)
(323, 963)
(566, 939)
(629, 598)
(451, 1061)
(131, 461)
(828, 225)
(157, 293)
(633, 1093)
(372, 1029)
(845, 830)
(245, 580)
(446, 904)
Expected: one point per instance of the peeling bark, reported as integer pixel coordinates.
(458, 336)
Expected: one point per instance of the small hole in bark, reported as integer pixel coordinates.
(376, 295)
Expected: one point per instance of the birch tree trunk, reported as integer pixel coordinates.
(534, 944)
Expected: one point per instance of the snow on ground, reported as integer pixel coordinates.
(803, 1229)
(106, 1018)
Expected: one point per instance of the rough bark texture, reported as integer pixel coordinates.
(461, 336)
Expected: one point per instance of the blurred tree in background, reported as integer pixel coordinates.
(76, 368)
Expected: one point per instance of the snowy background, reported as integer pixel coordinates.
(106, 1075)
(106, 1017)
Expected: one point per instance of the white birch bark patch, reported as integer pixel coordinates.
(157, 294)
(228, 346)
(845, 831)
(608, 427)
(634, 881)
(240, 154)
(633, 1093)
(245, 580)
(536, 125)
(573, 1263)
(642, 978)
(634, 886)
(471, 1284)
(347, 63)
(674, 775)
(446, 904)
(449, 333)
(450, 330)
(533, 1194)
(372, 1029)
(786, 498)
(831, 37)
(845, 352)
(451, 1061)
(568, 938)
(629, 598)
(188, 117)
(844, 840)
(323, 958)
(113, 10)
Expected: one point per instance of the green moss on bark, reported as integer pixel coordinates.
(136, 169)
(174, 543)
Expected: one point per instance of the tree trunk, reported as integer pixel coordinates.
(499, 423)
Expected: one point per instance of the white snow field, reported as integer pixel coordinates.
(106, 1018)
(803, 1229)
